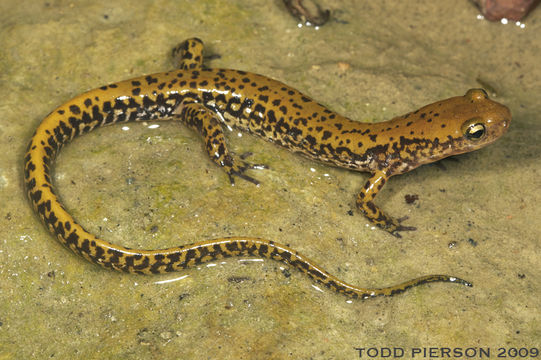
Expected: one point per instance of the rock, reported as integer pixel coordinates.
(495, 10)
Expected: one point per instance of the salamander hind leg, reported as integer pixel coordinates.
(189, 54)
(206, 123)
(374, 214)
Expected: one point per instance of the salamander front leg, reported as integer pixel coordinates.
(189, 54)
(206, 123)
(374, 214)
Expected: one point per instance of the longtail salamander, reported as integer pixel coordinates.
(205, 100)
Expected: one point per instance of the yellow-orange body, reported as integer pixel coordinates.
(205, 100)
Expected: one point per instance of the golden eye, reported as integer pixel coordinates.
(475, 131)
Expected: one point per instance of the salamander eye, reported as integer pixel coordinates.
(476, 95)
(475, 131)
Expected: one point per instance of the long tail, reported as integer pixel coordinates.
(186, 256)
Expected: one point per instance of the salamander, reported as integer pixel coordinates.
(206, 100)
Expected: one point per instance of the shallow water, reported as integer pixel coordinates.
(477, 214)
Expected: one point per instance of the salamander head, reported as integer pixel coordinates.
(449, 127)
(486, 121)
